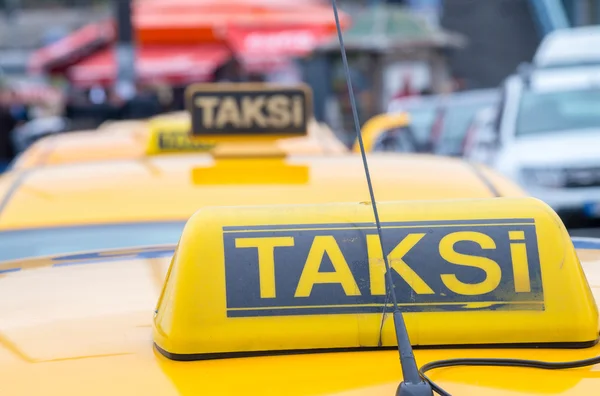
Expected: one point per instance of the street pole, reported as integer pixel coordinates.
(12, 8)
(581, 12)
(125, 49)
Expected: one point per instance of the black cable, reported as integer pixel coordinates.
(500, 363)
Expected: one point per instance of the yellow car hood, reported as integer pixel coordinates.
(81, 325)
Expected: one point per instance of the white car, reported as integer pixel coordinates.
(569, 47)
(481, 137)
(549, 137)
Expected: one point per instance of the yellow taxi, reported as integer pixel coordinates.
(163, 134)
(378, 133)
(168, 134)
(289, 300)
(155, 194)
(139, 194)
(130, 280)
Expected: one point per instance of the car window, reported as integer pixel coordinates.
(396, 140)
(29, 243)
(456, 121)
(559, 111)
(421, 121)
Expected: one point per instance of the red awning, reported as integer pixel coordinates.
(172, 65)
(73, 48)
(183, 22)
(276, 42)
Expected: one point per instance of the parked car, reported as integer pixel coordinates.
(422, 111)
(454, 114)
(481, 137)
(549, 138)
(569, 47)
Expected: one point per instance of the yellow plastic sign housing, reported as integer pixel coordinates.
(249, 110)
(268, 171)
(310, 277)
(172, 135)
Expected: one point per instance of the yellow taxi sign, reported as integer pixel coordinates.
(245, 109)
(271, 171)
(171, 141)
(172, 135)
(497, 271)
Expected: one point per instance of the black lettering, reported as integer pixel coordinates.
(284, 111)
(180, 141)
(330, 268)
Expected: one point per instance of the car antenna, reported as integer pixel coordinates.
(412, 384)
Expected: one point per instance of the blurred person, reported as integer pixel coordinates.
(231, 71)
(290, 74)
(406, 89)
(143, 104)
(20, 111)
(256, 77)
(362, 91)
(165, 97)
(426, 92)
(458, 83)
(97, 95)
(7, 124)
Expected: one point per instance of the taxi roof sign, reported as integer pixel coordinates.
(496, 271)
(172, 135)
(249, 109)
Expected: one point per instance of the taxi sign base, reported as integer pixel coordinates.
(248, 150)
(420, 389)
(311, 277)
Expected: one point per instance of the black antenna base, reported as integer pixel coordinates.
(410, 389)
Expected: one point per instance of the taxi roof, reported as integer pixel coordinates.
(130, 140)
(174, 187)
(84, 146)
(83, 327)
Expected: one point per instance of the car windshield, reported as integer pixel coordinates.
(421, 121)
(558, 111)
(396, 140)
(30, 243)
(456, 121)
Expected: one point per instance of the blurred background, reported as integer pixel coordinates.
(514, 84)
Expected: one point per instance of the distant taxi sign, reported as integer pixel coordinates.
(171, 134)
(176, 141)
(493, 271)
(233, 109)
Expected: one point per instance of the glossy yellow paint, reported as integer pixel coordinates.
(86, 329)
(377, 125)
(168, 187)
(83, 146)
(136, 139)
